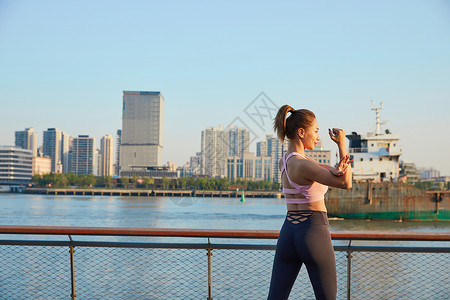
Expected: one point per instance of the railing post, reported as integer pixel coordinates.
(349, 270)
(209, 271)
(73, 295)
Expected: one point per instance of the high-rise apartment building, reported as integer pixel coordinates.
(142, 130)
(237, 141)
(56, 145)
(52, 147)
(27, 139)
(83, 155)
(106, 156)
(261, 148)
(276, 150)
(217, 144)
(213, 152)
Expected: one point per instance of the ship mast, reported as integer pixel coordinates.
(377, 110)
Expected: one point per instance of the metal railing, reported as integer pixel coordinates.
(219, 264)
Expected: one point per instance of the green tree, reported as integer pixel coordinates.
(191, 182)
(223, 184)
(182, 181)
(107, 181)
(148, 181)
(72, 179)
(61, 180)
(134, 180)
(35, 179)
(125, 181)
(267, 185)
(165, 182)
(275, 186)
(424, 184)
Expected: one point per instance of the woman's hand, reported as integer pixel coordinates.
(342, 166)
(337, 135)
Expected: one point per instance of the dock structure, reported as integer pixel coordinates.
(153, 193)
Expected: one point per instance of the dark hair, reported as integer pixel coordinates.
(287, 127)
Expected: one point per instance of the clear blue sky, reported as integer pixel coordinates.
(65, 64)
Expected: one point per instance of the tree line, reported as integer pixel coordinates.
(64, 180)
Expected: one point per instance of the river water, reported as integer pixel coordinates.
(176, 212)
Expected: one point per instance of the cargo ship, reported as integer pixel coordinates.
(378, 191)
(388, 201)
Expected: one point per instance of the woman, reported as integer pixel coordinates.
(305, 236)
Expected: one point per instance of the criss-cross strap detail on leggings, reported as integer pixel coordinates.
(297, 217)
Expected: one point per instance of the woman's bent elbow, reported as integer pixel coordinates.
(346, 185)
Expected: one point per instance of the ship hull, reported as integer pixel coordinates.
(388, 201)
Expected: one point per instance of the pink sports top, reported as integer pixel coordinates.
(312, 192)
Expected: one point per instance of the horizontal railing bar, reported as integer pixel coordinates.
(391, 236)
(215, 246)
(215, 233)
(128, 231)
(137, 245)
(393, 249)
(34, 243)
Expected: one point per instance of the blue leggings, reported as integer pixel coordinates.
(304, 239)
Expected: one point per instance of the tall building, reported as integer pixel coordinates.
(213, 152)
(276, 149)
(52, 147)
(56, 145)
(106, 156)
(237, 141)
(261, 148)
(66, 145)
(15, 165)
(142, 130)
(27, 139)
(217, 144)
(83, 155)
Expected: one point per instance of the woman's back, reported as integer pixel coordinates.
(300, 192)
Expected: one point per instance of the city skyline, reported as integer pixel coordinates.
(332, 58)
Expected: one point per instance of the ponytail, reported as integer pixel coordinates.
(279, 125)
(286, 127)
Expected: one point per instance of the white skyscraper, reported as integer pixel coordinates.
(237, 140)
(276, 150)
(142, 130)
(106, 156)
(27, 139)
(218, 144)
(212, 148)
